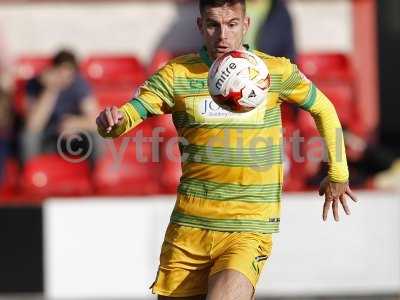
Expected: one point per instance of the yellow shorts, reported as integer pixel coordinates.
(189, 256)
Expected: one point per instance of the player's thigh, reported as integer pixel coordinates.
(184, 298)
(244, 252)
(229, 285)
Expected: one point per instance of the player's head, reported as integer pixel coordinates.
(66, 65)
(223, 25)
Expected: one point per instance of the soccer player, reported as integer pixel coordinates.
(228, 202)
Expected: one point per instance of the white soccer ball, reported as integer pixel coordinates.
(239, 81)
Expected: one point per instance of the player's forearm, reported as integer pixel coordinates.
(329, 127)
(89, 109)
(131, 119)
(41, 111)
(84, 123)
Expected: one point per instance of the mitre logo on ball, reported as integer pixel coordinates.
(239, 81)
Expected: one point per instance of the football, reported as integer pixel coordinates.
(239, 81)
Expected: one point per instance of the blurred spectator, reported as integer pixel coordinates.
(258, 11)
(6, 78)
(59, 101)
(371, 165)
(5, 128)
(182, 36)
(271, 28)
(371, 160)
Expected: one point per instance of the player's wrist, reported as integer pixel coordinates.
(338, 180)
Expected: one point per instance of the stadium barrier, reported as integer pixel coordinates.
(109, 247)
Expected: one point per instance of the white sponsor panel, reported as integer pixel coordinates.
(99, 248)
(358, 255)
(205, 110)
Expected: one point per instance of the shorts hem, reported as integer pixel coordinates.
(190, 293)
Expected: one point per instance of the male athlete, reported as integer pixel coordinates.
(228, 202)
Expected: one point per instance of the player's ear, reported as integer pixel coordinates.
(246, 25)
(200, 24)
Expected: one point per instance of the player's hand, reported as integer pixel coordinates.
(109, 118)
(52, 80)
(334, 193)
(70, 123)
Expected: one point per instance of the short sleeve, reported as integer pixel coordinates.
(295, 86)
(82, 89)
(157, 93)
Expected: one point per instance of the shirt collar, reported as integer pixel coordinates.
(206, 58)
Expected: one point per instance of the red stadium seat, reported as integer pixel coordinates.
(325, 66)
(333, 75)
(293, 174)
(129, 176)
(147, 128)
(109, 96)
(165, 122)
(29, 66)
(128, 167)
(51, 175)
(160, 58)
(171, 169)
(342, 96)
(289, 114)
(311, 148)
(10, 181)
(170, 155)
(26, 67)
(113, 70)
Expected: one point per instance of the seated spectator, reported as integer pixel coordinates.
(372, 161)
(370, 164)
(5, 127)
(59, 102)
(6, 77)
(271, 29)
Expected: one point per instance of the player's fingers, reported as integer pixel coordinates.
(120, 116)
(101, 122)
(98, 122)
(343, 201)
(335, 209)
(322, 188)
(109, 117)
(350, 193)
(104, 119)
(115, 114)
(325, 210)
(321, 191)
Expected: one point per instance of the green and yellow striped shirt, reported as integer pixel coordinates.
(232, 163)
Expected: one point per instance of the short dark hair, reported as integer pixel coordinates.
(216, 3)
(65, 56)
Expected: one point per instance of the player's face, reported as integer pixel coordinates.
(66, 73)
(223, 28)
